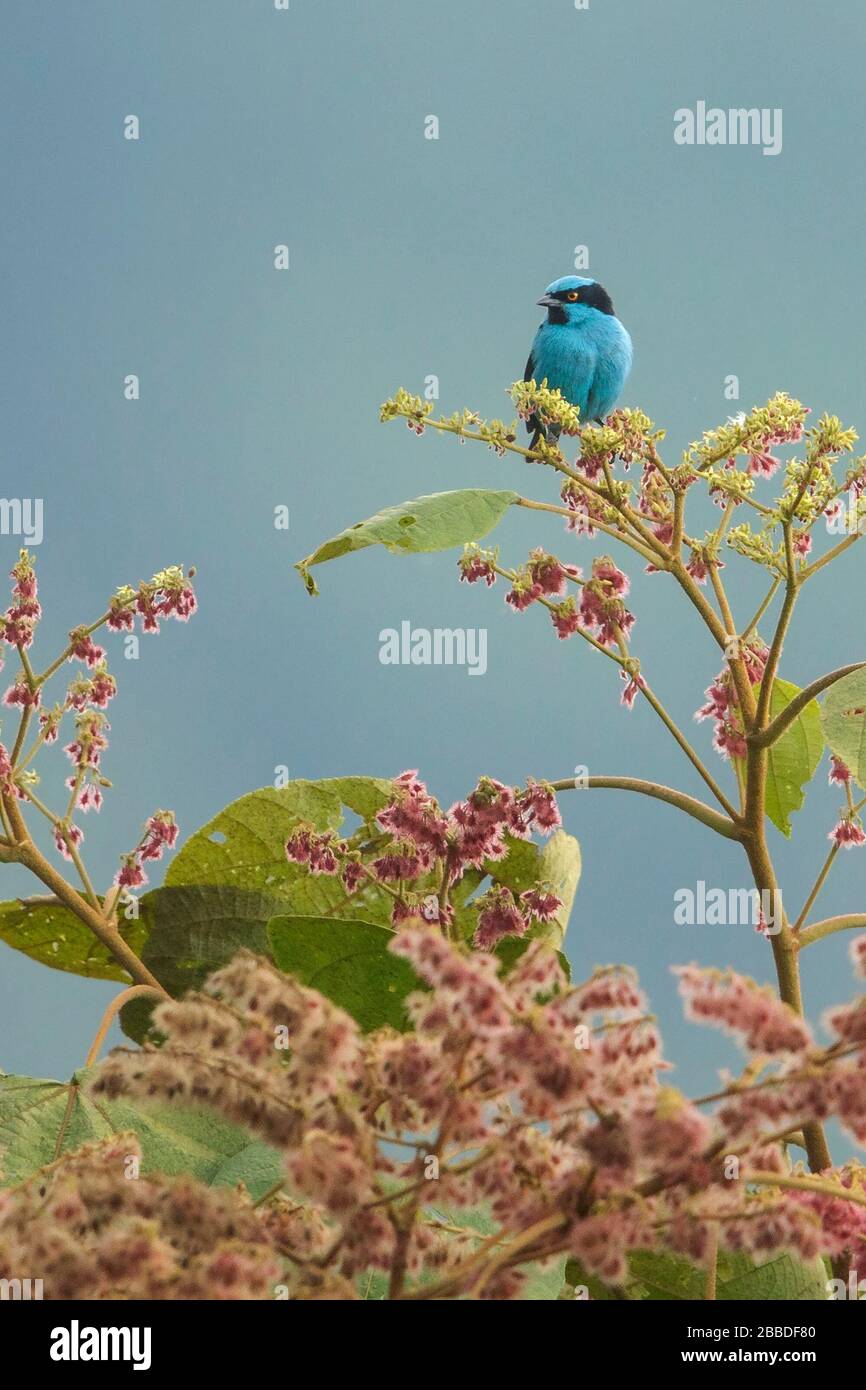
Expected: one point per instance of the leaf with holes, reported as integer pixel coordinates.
(50, 933)
(439, 521)
(245, 844)
(843, 717)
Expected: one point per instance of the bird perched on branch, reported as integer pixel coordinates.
(581, 349)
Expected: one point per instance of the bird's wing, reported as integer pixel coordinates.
(609, 377)
(530, 368)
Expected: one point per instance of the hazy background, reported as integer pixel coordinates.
(409, 257)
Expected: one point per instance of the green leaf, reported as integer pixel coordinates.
(35, 1114)
(843, 716)
(783, 1279)
(556, 864)
(245, 844)
(658, 1276)
(192, 931)
(511, 948)
(348, 962)
(436, 522)
(793, 759)
(50, 933)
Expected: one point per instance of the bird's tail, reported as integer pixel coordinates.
(538, 431)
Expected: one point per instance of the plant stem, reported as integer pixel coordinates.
(768, 736)
(818, 930)
(784, 942)
(804, 1183)
(650, 556)
(818, 885)
(809, 570)
(688, 804)
(712, 1263)
(114, 1007)
(689, 751)
(27, 854)
(771, 594)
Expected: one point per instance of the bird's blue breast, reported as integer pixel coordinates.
(587, 361)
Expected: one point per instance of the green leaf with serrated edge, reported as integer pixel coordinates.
(843, 718)
(48, 932)
(349, 962)
(439, 521)
(793, 759)
(658, 1276)
(174, 1138)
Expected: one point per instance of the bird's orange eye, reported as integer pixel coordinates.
(572, 295)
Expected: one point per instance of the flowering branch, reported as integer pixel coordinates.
(499, 1079)
(651, 521)
(168, 595)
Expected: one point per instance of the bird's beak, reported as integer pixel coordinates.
(547, 301)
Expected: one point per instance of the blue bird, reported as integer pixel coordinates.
(581, 348)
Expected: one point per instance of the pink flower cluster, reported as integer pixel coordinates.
(475, 566)
(760, 1020)
(602, 610)
(501, 914)
(95, 1234)
(542, 577)
(16, 627)
(538, 1101)
(848, 831)
(160, 834)
(168, 595)
(587, 509)
(729, 736)
(429, 851)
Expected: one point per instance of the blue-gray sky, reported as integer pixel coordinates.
(408, 258)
